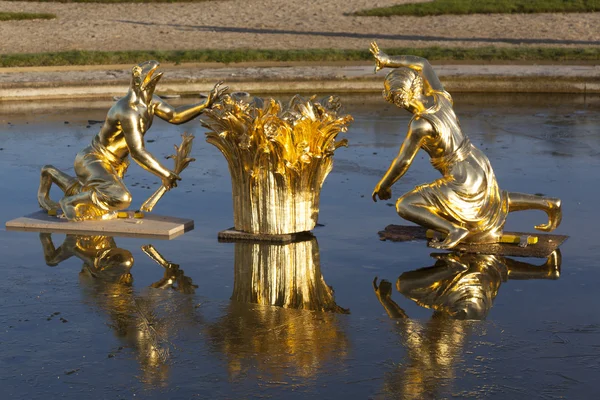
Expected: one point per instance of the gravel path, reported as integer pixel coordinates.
(276, 24)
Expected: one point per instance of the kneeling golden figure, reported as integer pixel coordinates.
(98, 191)
(465, 203)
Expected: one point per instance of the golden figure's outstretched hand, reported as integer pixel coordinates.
(383, 290)
(381, 59)
(384, 193)
(216, 93)
(171, 181)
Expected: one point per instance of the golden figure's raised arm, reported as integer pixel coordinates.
(184, 114)
(383, 291)
(419, 64)
(135, 142)
(417, 130)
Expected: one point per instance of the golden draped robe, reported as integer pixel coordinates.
(467, 194)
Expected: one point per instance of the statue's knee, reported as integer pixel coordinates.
(115, 202)
(47, 169)
(401, 206)
(124, 200)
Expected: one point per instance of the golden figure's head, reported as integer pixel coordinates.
(143, 80)
(402, 87)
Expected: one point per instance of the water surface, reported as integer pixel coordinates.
(229, 326)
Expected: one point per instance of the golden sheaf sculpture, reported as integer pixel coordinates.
(278, 156)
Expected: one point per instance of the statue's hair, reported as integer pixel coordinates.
(403, 82)
(136, 75)
(136, 71)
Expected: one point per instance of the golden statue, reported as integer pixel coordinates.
(278, 156)
(466, 203)
(97, 191)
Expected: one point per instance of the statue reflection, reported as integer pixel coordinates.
(143, 321)
(457, 288)
(257, 333)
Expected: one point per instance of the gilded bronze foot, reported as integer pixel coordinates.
(554, 212)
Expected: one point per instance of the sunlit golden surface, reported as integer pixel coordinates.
(97, 191)
(466, 203)
(278, 156)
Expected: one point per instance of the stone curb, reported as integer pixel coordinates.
(104, 82)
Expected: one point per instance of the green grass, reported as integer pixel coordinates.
(441, 7)
(531, 54)
(10, 16)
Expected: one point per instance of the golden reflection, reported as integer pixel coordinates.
(462, 286)
(97, 191)
(304, 336)
(466, 203)
(278, 156)
(144, 322)
(458, 287)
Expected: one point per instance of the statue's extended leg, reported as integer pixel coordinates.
(411, 207)
(114, 198)
(48, 176)
(102, 190)
(550, 205)
(70, 204)
(549, 270)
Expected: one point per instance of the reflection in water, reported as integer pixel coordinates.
(458, 287)
(304, 336)
(101, 257)
(286, 276)
(145, 322)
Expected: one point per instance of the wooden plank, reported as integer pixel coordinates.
(232, 235)
(151, 226)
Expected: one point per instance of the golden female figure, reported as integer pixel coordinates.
(466, 203)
